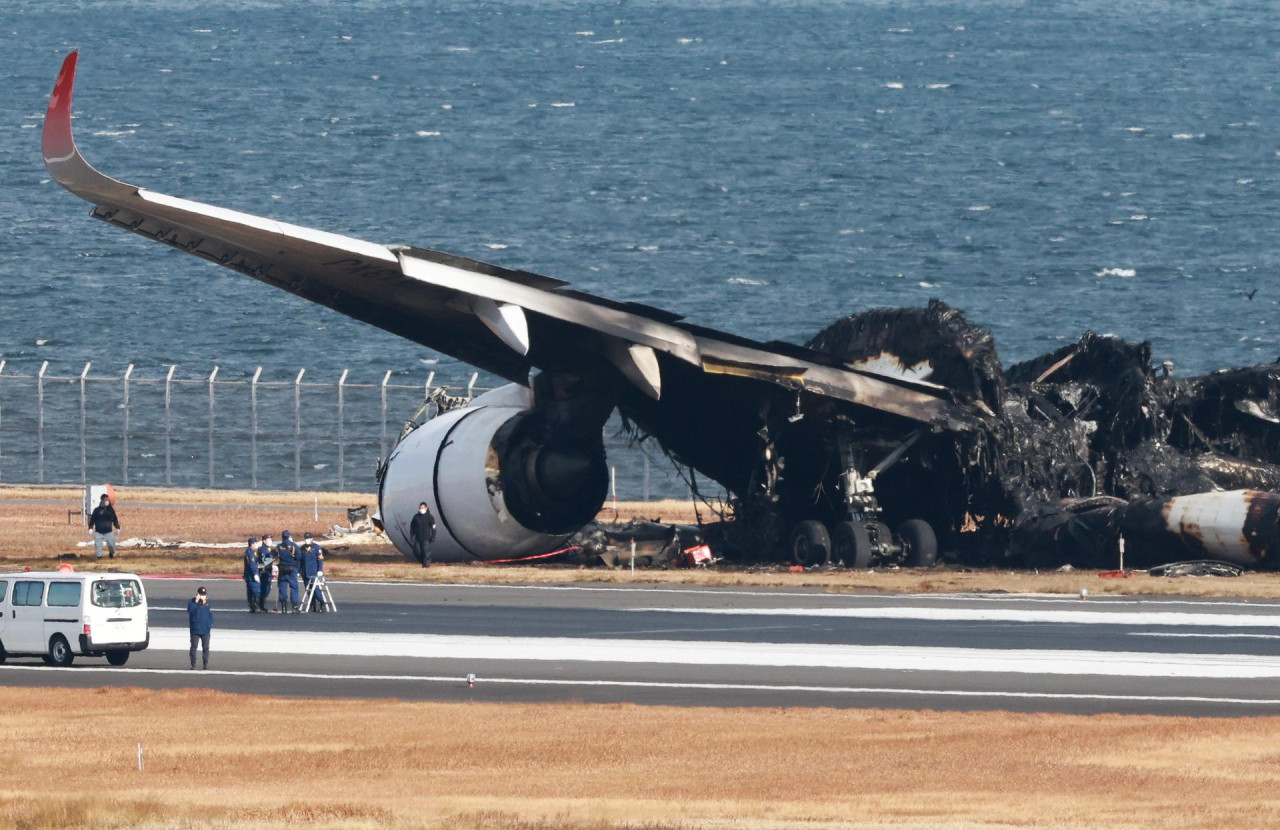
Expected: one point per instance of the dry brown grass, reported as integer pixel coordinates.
(70, 760)
(36, 534)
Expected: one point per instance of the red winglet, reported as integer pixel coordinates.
(58, 144)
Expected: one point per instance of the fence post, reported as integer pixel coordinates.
(382, 445)
(253, 427)
(212, 375)
(124, 463)
(342, 447)
(84, 376)
(168, 423)
(2, 362)
(297, 430)
(40, 419)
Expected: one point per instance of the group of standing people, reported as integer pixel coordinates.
(265, 562)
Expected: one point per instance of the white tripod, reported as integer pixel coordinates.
(314, 586)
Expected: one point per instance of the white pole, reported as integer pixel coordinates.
(316, 509)
(633, 557)
(613, 488)
(139, 757)
(1122, 554)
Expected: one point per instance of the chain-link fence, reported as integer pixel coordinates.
(236, 429)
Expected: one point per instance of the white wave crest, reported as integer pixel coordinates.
(563, 104)
(1116, 272)
(114, 132)
(937, 86)
(496, 246)
(744, 281)
(1186, 136)
(978, 208)
(426, 133)
(893, 85)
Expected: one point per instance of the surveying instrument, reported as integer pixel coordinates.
(314, 587)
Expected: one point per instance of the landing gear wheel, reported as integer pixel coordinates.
(852, 545)
(118, 657)
(60, 653)
(810, 544)
(919, 543)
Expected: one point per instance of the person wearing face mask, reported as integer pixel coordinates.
(422, 532)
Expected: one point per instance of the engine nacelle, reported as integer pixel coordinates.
(502, 482)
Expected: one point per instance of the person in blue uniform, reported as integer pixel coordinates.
(287, 562)
(312, 567)
(251, 574)
(266, 559)
(200, 623)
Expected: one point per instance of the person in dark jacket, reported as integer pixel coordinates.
(422, 532)
(104, 524)
(266, 559)
(287, 561)
(200, 621)
(251, 574)
(312, 556)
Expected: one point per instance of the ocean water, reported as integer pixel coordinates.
(760, 167)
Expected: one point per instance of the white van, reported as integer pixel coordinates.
(59, 614)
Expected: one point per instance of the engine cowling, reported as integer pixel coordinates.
(501, 480)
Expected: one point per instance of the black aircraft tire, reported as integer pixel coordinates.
(810, 544)
(851, 544)
(118, 657)
(60, 653)
(3, 654)
(920, 541)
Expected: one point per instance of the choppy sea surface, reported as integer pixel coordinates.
(760, 167)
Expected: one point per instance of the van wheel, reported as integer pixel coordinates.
(3, 654)
(118, 657)
(60, 653)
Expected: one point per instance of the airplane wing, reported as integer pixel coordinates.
(501, 320)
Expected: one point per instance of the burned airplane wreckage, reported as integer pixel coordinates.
(1080, 451)
(892, 436)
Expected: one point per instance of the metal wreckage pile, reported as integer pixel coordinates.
(1083, 454)
(1084, 447)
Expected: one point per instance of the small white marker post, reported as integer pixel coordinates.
(613, 487)
(316, 514)
(139, 757)
(1122, 554)
(1084, 594)
(471, 681)
(633, 557)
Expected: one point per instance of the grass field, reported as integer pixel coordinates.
(36, 532)
(219, 760)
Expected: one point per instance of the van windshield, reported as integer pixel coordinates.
(117, 593)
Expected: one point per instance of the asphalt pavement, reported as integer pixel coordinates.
(689, 646)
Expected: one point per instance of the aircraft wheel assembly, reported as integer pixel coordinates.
(851, 544)
(919, 543)
(810, 544)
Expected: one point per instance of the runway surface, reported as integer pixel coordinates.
(717, 647)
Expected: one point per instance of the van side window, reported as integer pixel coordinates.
(4, 589)
(28, 593)
(64, 594)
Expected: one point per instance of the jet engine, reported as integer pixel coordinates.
(503, 478)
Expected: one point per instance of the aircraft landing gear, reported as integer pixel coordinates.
(810, 544)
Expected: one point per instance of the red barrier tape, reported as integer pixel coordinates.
(531, 558)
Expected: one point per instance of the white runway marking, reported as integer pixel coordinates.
(1240, 636)
(710, 653)
(482, 681)
(1014, 615)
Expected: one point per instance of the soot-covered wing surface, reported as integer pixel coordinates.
(501, 320)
